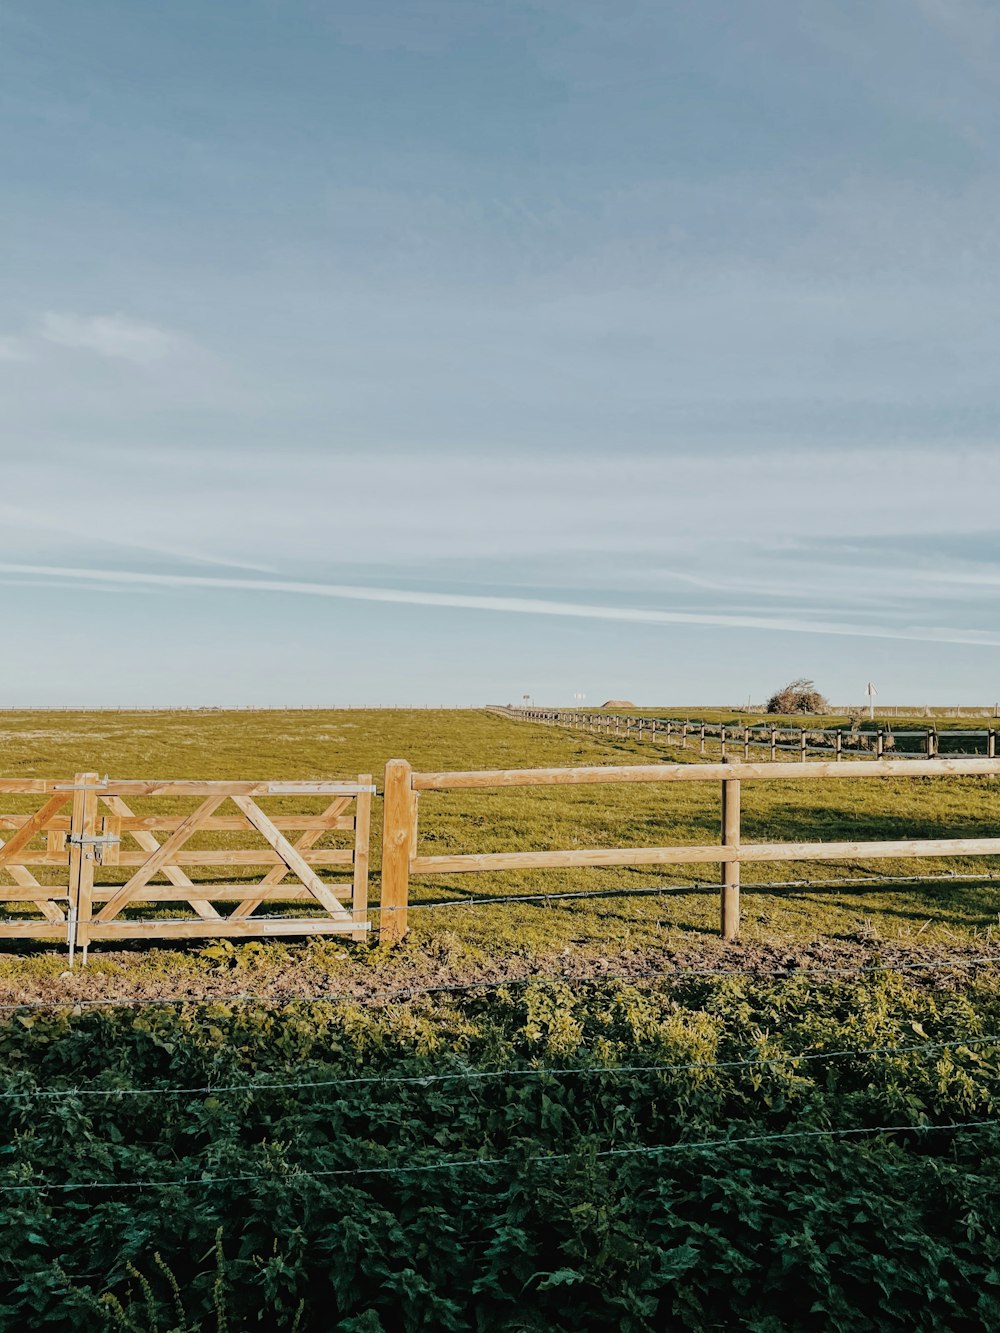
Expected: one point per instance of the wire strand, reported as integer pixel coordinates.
(476, 1075)
(697, 887)
(489, 1163)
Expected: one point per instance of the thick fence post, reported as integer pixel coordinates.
(746, 742)
(774, 742)
(398, 837)
(701, 746)
(802, 744)
(362, 841)
(730, 906)
(83, 826)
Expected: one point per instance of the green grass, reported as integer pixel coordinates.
(682, 914)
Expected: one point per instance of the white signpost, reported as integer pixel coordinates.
(872, 691)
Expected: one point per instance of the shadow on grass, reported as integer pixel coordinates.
(968, 905)
(790, 822)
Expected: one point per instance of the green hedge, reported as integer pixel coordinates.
(893, 1231)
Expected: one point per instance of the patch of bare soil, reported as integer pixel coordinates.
(410, 972)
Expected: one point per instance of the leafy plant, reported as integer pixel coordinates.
(529, 1159)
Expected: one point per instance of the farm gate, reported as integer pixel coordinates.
(100, 859)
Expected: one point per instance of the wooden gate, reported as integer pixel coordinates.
(118, 858)
(44, 819)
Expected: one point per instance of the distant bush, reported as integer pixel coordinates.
(798, 696)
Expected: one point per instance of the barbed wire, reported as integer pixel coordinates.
(475, 1075)
(490, 1163)
(498, 983)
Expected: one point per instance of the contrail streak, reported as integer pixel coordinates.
(510, 605)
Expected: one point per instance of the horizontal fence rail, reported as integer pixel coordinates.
(87, 858)
(401, 858)
(104, 862)
(763, 739)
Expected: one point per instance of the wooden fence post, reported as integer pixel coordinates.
(701, 749)
(362, 840)
(802, 744)
(398, 834)
(839, 743)
(774, 742)
(83, 826)
(730, 905)
(746, 743)
(722, 737)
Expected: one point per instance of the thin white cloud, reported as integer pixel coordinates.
(110, 535)
(512, 605)
(118, 336)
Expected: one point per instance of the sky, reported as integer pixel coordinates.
(361, 352)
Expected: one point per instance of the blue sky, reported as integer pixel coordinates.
(441, 351)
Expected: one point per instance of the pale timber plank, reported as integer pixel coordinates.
(295, 862)
(32, 827)
(148, 843)
(753, 772)
(277, 874)
(165, 855)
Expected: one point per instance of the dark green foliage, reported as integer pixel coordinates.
(890, 1231)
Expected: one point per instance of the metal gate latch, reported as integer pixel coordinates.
(97, 841)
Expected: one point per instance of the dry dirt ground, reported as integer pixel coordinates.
(311, 971)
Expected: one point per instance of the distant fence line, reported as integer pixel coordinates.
(943, 711)
(753, 739)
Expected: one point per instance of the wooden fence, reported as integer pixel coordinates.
(89, 858)
(94, 842)
(401, 858)
(765, 740)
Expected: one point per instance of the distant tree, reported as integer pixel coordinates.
(798, 696)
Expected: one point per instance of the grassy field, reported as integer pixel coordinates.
(297, 1136)
(676, 913)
